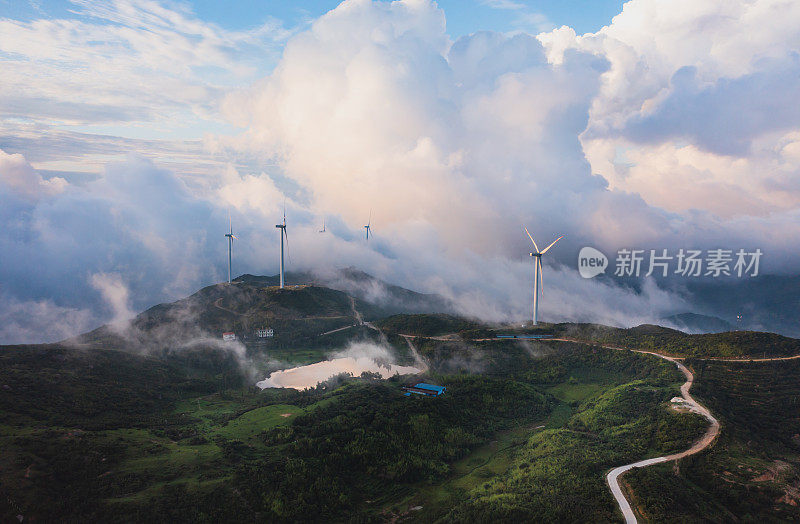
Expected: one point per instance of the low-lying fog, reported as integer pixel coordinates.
(357, 358)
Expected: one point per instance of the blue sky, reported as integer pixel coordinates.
(463, 16)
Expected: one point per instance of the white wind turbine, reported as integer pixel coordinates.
(282, 227)
(367, 227)
(230, 237)
(538, 284)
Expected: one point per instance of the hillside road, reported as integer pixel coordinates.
(612, 478)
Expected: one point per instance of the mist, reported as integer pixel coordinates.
(355, 359)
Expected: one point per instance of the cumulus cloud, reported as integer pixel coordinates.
(19, 177)
(137, 220)
(690, 115)
(372, 108)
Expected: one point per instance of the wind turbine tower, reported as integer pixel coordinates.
(538, 284)
(282, 227)
(367, 227)
(230, 237)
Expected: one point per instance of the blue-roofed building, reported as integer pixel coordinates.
(421, 388)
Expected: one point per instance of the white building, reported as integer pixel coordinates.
(677, 400)
(265, 333)
(229, 336)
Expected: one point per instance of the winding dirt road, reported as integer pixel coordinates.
(612, 478)
(713, 430)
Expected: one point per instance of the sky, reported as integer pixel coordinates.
(131, 131)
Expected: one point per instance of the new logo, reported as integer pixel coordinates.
(591, 262)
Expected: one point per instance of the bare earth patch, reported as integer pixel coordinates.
(286, 414)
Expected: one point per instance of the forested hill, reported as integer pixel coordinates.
(308, 306)
(728, 344)
(390, 298)
(240, 307)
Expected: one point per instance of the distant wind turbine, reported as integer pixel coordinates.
(538, 283)
(230, 237)
(282, 227)
(367, 227)
(323, 225)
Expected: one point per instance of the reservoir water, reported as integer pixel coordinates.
(303, 377)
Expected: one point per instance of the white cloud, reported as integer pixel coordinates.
(695, 118)
(36, 321)
(122, 61)
(109, 78)
(115, 293)
(18, 176)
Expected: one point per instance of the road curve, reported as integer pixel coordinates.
(713, 430)
(612, 478)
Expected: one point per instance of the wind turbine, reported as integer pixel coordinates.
(538, 283)
(367, 227)
(282, 227)
(230, 237)
(323, 225)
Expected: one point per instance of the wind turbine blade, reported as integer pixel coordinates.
(551, 245)
(541, 278)
(288, 254)
(235, 237)
(532, 240)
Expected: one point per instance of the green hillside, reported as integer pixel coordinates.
(728, 344)
(172, 429)
(297, 314)
(111, 436)
(752, 473)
